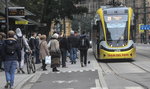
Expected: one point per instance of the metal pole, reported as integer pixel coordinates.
(6, 12)
(64, 26)
(145, 34)
(134, 28)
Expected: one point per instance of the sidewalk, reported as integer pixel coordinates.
(20, 79)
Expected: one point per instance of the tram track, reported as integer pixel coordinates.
(125, 78)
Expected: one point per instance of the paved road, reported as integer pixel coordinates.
(129, 74)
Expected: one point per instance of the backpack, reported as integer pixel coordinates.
(10, 49)
(83, 42)
(20, 42)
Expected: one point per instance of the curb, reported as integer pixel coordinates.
(101, 77)
(20, 85)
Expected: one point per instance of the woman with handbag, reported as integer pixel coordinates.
(54, 52)
(43, 51)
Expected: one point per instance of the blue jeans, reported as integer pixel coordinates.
(73, 54)
(10, 68)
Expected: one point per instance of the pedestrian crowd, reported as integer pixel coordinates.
(15, 45)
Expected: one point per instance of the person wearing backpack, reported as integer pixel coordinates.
(22, 43)
(12, 54)
(83, 47)
(1, 50)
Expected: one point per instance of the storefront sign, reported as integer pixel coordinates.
(21, 22)
(16, 11)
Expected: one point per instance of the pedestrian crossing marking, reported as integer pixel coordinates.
(75, 71)
(134, 88)
(95, 88)
(81, 70)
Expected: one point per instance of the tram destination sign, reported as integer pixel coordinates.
(144, 27)
(16, 11)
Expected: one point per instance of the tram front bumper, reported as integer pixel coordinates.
(118, 55)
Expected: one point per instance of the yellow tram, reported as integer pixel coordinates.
(112, 33)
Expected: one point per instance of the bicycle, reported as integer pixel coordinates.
(30, 63)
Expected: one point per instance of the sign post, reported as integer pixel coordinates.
(6, 12)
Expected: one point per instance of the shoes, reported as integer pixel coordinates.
(22, 70)
(12, 87)
(88, 62)
(55, 70)
(64, 67)
(44, 69)
(18, 71)
(73, 62)
(8, 85)
(82, 65)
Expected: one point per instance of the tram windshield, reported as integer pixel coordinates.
(116, 29)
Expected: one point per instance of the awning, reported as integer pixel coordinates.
(10, 4)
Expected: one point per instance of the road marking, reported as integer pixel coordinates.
(58, 72)
(81, 70)
(69, 71)
(62, 81)
(95, 88)
(93, 70)
(134, 88)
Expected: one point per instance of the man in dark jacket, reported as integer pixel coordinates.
(11, 55)
(33, 44)
(1, 51)
(73, 45)
(63, 44)
(83, 47)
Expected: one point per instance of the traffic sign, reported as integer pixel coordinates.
(144, 27)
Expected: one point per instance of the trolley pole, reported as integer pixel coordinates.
(6, 12)
(145, 32)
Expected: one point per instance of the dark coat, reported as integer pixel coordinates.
(87, 43)
(16, 55)
(63, 43)
(32, 43)
(72, 42)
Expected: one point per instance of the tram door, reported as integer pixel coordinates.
(100, 37)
